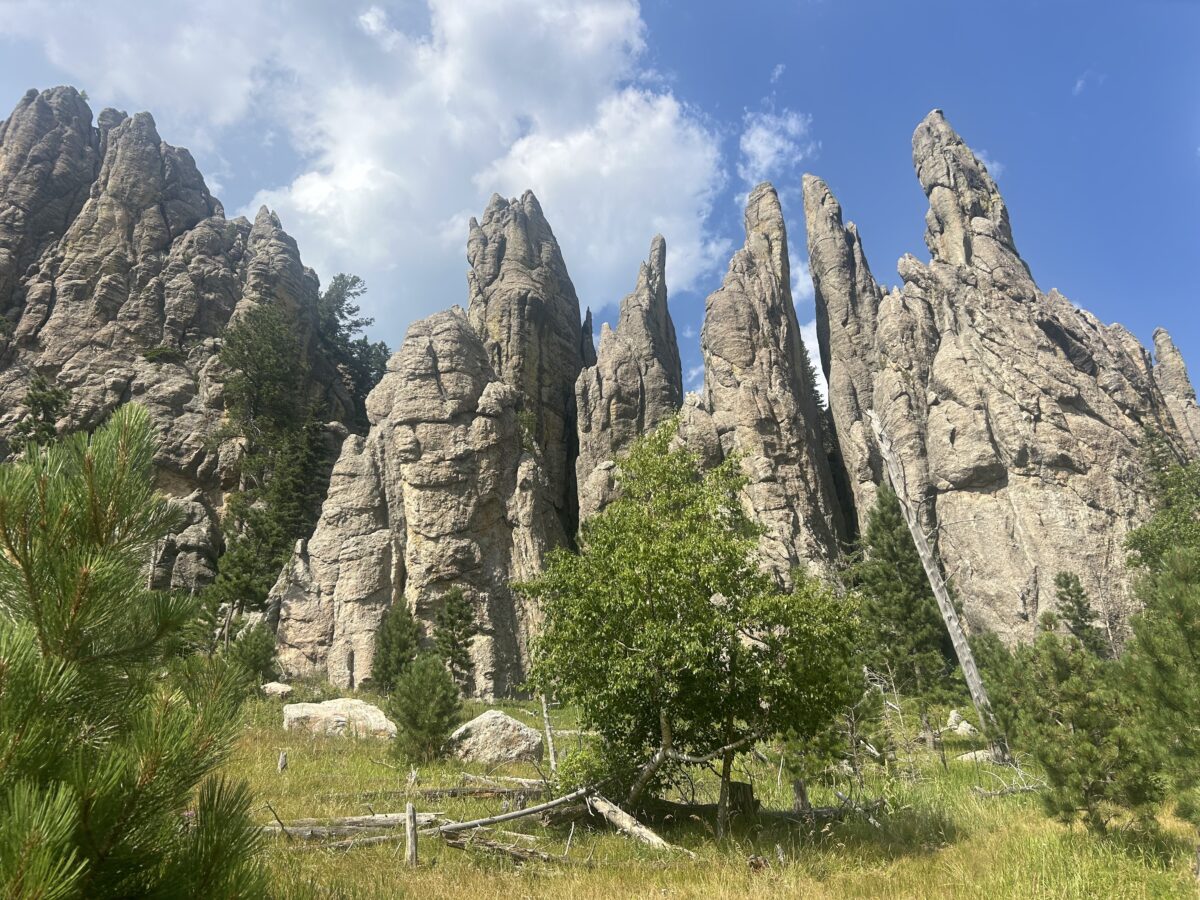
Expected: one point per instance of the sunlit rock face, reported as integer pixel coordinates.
(1020, 419)
(759, 401)
(118, 274)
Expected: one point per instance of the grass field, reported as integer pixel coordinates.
(938, 838)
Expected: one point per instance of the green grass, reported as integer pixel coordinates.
(938, 838)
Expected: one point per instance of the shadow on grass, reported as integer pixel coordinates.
(1151, 844)
(885, 835)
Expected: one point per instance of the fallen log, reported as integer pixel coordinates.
(517, 813)
(1004, 792)
(514, 852)
(626, 823)
(495, 780)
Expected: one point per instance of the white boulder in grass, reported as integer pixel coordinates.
(338, 717)
(495, 737)
(276, 689)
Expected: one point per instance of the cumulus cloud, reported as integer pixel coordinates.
(643, 165)
(403, 118)
(773, 144)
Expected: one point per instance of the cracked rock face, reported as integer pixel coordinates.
(1019, 418)
(118, 273)
(442, 493)
(635, 383)
(759, 402)
(524, 308)
(1172, 377)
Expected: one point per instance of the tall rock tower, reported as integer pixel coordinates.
(759, 401)
(635, 383)
(1019, 417)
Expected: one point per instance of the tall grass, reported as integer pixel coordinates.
(938, 838)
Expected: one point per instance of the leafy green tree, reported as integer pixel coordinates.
(453, 627)
(254, 651)
(46, 402)
(425, 705)
(1075, 613)
(397, 642)
(105, 740)
(675, 647)
(909, 641)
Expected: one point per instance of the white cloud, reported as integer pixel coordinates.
(777, 72)
(802, 286)
(1089, 77)
(808, 332)
(643, 165)
(406, 117)
(694, 377)
(994, 166)
(773, 144)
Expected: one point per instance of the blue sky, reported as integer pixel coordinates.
(377, 128)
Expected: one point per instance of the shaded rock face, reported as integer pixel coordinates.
(524, 308)
(759, 401)
(118, 273)
(442, 493)
(635, 383)
(1019, 418)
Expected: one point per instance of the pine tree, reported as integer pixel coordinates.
(1075, 613)
(340, 320)
(425, 705)
(911, 643)
(105, 740)
(1079, 721)
(45, 402)
(1161, 662)
(453, 627)
(397, 642)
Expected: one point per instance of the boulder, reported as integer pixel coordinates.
(276, 689)
(495, 737)
(343, 716)
(977, 757)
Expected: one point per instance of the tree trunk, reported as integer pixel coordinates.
(800, 801)
(723, 801)
(958, 638)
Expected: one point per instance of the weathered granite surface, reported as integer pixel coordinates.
(446, 491)
(759, 400)
(1020, 418)
(523, 306)
(635, 383)
(118, 274)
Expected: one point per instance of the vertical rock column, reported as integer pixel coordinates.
(635, 383)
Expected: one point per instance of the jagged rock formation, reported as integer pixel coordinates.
(1172, 377)
(1018, 416)
(759, 400)
(635, 382)
(118, 272)
(523, 306)
(445, 491)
